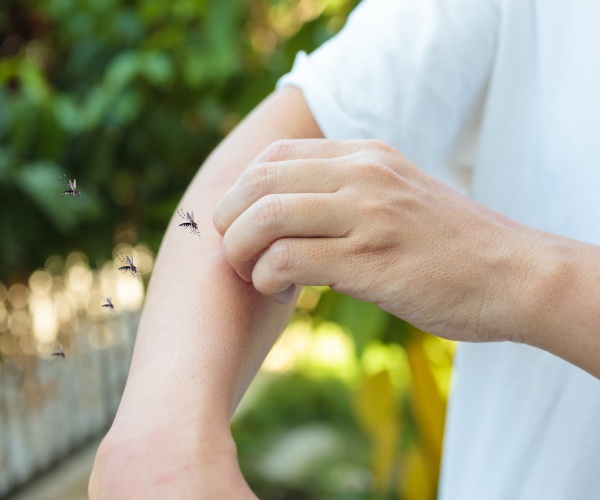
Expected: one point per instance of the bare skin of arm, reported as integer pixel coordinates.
(203, 335)
(355, 215)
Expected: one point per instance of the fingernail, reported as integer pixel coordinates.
(286, 296)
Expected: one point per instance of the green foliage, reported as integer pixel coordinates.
(364, 320)
(128, 97)
(295, 404)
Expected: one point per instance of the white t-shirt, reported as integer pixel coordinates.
(501, 100)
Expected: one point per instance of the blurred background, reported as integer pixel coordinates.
(129, 97)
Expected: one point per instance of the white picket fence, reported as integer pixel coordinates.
(50, 407)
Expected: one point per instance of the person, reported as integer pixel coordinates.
(420, 102)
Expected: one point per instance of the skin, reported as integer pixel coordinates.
(360, 217)
(202, 336)
(355, 215)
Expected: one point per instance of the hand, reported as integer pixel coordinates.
(142, 461)
(360, 217)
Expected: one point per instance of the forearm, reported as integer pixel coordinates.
(563, 304)
(204, 332)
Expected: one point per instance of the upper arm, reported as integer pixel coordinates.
(286, 113)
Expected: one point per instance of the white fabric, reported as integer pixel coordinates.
(501, 100)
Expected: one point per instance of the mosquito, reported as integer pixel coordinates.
(190, 222)
(72, 185)
(58, 351)
(108, 303)
(130, 267)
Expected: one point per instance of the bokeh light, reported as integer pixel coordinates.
(66, 295)
(44, 318)
(18, 295)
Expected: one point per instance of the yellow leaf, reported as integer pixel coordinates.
(376, 411)
(429, 405)
(415, 481)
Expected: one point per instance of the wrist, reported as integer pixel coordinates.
(166, 460)
(561, 295)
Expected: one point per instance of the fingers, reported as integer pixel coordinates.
(261, 179)
(305, 149)
(278, 216)
(298, 261)
(286, 219)
(297, 166)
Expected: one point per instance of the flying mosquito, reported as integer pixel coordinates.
(58, 351)
(72, 185)
(130, 267)
(108, 303)
(190, 222)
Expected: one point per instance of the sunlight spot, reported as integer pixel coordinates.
(44, 317)
(332, 351)
(9, 345)
(309, 298)
(3, 313)
(79, 278)
(143, 258)
(291, 346)
(378, 357)
(40, 282)
(130, 292)
(18, 322)
(55, 265)
(18, 295)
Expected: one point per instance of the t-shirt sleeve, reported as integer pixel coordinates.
(412, 73)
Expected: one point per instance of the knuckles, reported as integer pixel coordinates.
(376, 145)
(276, 151)
(372, 171)
(259, 179)
(281, 256)
(268, 212)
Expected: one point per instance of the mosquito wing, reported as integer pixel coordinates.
(58, 351)
(129, 260)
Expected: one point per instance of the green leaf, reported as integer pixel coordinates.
(398, 331)
(7, 161)
(126, 108)
(158, 68)
(25, 125)
(40, 181)
(364, 320)
(9, 68)
(34, 83)
(122, 70)
(97, 103)
(67, 114)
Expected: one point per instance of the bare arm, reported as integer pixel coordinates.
(562, 301)
(202, 337)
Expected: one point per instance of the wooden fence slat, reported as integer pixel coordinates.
(50, 407)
